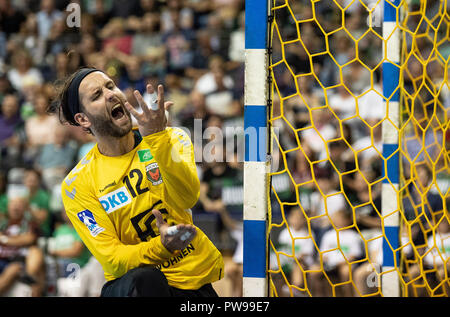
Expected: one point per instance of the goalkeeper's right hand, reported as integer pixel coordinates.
(174, 238)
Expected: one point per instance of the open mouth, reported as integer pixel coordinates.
(117, 112)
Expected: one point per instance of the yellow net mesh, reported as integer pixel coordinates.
(327, 115)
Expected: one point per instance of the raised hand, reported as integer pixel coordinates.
(150, 121)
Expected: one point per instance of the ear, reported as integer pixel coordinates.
(83, 120)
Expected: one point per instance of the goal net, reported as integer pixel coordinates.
(360, 179)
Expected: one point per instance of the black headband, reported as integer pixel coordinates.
(72, 93)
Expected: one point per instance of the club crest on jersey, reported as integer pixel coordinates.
(88, 219)
(153, 174)
(115, 200)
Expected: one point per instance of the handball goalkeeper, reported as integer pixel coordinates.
(129, 198)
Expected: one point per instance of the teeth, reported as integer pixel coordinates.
(116, 106)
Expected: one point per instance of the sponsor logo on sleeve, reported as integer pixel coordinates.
(115, 200)
(153, 174)
(88, 219)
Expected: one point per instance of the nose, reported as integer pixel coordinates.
(109, 95)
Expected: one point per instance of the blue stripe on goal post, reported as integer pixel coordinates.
(255, 130)
(255, 248)
(256, 149)
(391, 170)
(256, 24)
(391, 243)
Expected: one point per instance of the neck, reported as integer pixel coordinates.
(111, 146)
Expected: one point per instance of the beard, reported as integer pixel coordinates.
(104, 126)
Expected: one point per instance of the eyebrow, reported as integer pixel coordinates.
(94, 89)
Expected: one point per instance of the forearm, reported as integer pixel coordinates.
(373, 222)
(19, 241)
(121, 258)
(39, 214)
(73, 252)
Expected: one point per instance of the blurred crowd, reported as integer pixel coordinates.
(196, 49)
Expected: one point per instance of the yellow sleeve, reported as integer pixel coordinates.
(99, 234)
(174, 152)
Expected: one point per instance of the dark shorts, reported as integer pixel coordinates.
(148, 281)
(3, 265)
(5, 262)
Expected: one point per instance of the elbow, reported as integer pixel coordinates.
(194, 194)
(115, 267)
(193, 201)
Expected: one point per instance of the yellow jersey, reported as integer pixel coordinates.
(109, 200)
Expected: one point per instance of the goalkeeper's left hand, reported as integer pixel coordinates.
(150, 121)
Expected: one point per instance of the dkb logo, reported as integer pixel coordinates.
(115, 200)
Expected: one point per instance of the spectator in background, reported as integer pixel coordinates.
(298, 244)
(420, 203)
(79, 273)
(87, 142)
(5, 87)
(202, 51)
(10, 18)
(371, 105)
(368, 194)
(39, 199)
(356, 77)
(86, 49)
(114, 35)
(23, 72)
(59, 39)
(299, 106)
(125, 9)
(369, 147)
(321, 130)
(423, 141)
(39, 128)
(11, 125)
(62, 67)
(217, 87)
(56, 159)
(148, 6)
(3, 195)
(340, 158)
(221, 187)
(19, 255)
(234, 268)
(179, 55)
(220, 34)
(236, 51)
(28, 39)
(325, 203)
(148, 45)
(195, 109)
(346, 243)
(132, 78)
(426, 275)
(9, 118)
(176, 93)
(343, 103)
(439, 253)
(100, 11)
(46, 17)
(167, 19)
